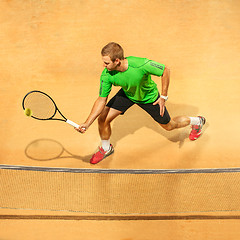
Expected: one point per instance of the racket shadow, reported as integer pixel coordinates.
(48, 149)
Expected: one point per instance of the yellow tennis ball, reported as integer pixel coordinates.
(28, 112)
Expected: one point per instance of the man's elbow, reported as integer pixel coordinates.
(102, 99)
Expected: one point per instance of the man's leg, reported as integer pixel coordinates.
(104, 121)
(117, 105)
(177, 122)
(104, 127)
(183, 121)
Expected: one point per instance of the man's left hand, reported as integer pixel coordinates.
(161, 103)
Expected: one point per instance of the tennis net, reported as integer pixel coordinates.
(120, 191)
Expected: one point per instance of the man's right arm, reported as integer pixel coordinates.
(97, 108)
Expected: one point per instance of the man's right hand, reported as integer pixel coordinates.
(82, 128)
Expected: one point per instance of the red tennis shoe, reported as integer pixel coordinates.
(197, 129)
(101, 154)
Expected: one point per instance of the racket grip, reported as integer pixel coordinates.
(72, 123)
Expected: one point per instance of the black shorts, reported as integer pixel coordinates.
(122, 103)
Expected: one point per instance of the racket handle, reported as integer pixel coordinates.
(72, 123)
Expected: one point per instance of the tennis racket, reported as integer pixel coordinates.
(42, 107)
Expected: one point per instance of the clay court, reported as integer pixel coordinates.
(54, 47)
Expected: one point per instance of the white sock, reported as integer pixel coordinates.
(106, 144)
(194, 120)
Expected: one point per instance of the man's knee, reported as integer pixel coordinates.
(107, 115)
(168, 127)
(102, 118)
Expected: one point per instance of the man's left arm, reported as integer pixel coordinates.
(164, 91)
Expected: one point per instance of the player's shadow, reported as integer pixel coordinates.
(136, 118)
(48, 149)
(133, 120)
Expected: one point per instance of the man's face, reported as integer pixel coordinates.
(107, 63)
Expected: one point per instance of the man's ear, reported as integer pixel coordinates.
(117, 61)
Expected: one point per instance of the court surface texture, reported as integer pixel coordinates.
(54, 46)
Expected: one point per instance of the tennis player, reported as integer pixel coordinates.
(133, 75)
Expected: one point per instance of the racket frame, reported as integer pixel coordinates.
(56, 110)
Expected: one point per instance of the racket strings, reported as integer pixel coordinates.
(41, 105)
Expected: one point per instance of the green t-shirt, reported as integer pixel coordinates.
(136, 81)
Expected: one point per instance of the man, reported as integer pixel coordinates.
(133, 75)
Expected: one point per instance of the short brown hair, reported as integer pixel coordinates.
(113, 50)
